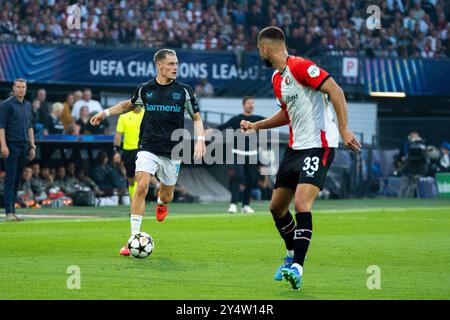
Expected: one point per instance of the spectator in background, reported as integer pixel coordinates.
(93, 105)
(38, 184)
(53, 125)
(46, 175)
(83, 121)
(77, 96)
(107, 177)
(71, 177)
(204, 89)
(25, 194)
(101, 128)
(38, 126)
(66, 116)
(62, 182)
(444, 162)
(44, 110)
(88, 182)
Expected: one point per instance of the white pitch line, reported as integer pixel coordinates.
(55, 216)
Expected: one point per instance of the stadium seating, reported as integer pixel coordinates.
(311, 26)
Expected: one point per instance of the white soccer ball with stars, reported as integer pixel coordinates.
(141, 245)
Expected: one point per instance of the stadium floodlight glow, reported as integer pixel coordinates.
(386, 94)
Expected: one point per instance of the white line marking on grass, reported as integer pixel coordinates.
(85, 218)
(55, 216)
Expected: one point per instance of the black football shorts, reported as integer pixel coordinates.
(308, 166)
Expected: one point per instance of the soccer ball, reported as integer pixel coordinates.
(141, 245)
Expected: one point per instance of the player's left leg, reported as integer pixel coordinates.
(165, 196)
(303, 201)
(167, 173)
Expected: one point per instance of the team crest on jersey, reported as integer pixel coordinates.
(176, 95)
(313, 71)
(287, 80)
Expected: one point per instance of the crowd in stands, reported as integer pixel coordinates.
(415, 28)
(70, 117)
(73, 184)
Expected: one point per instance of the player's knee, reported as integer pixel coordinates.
(302, 205)
(141, 190)
(276, 211)
(166, 197)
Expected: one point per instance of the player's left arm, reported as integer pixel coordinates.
(199, 133)
(337, 98)
(192, 108)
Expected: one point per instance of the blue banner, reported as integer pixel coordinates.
(415, 77)
(126, 67)
(228, 73)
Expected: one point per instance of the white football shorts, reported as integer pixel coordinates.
(165, 169)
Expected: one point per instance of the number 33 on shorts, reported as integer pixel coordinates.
(311, 165)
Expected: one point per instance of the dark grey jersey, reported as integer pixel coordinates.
(164, 107)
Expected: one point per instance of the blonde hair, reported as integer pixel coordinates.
(57, 106)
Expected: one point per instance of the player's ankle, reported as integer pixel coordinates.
(160, 202)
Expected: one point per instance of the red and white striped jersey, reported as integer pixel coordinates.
(309, 111)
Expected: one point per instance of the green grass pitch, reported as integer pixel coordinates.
(203, 253)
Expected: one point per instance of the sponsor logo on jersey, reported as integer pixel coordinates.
(160, 107)
(287, 80)
(313, 71)
(292, 98)
(149, 94)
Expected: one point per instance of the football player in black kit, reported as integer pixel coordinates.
(246, 174)
(165, 101)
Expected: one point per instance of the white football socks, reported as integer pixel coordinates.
(299, 268)
(135, 221)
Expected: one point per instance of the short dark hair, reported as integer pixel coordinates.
(244, 100)
(161, 54)
(271, 33)
(20, 80)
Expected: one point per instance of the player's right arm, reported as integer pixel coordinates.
(277, 120)
(121, 107)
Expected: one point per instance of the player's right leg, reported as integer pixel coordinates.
(137, 208)
(285, 224)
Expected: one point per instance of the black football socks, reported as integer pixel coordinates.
(286, 228)
(302, 237)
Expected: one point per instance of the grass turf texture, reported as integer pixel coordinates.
(203, 253)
